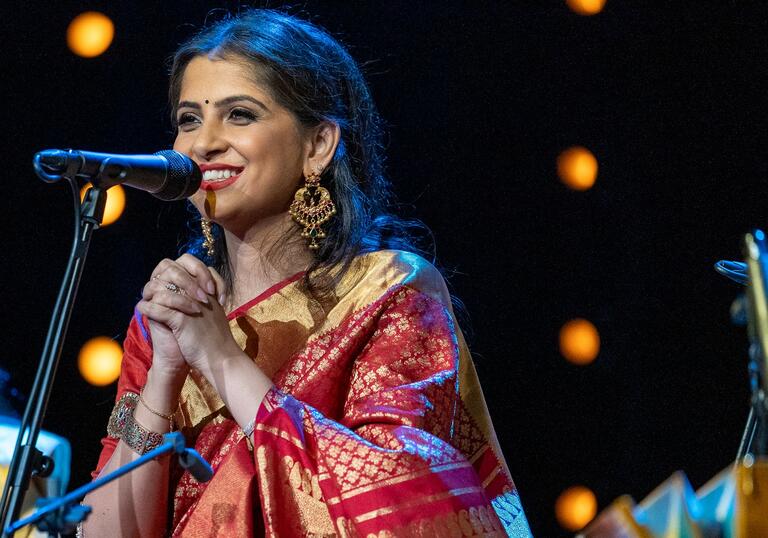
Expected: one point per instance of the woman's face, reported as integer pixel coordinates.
(250, 149)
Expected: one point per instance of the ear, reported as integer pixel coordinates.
(321, 143)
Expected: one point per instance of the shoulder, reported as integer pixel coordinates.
(383, 270)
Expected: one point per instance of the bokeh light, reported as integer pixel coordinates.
(90, 34)
(586, 7)
(577, 168)
(579, 341)
(115, 203)
(575, 507)
(99, 361)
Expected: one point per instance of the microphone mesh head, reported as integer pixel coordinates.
(183, 177)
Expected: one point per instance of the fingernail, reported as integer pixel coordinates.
(221, 299)
(202, 296)
(211, 288)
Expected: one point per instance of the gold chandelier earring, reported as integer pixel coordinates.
(209, 243)
(312, 207)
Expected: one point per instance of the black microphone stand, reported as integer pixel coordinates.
(61, 514)
(27, 459)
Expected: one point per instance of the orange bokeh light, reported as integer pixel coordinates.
(90, 34)
(115, 203)
(586, 7)
(579, 341)
(575, 507)
(577, 168)
(99, 361)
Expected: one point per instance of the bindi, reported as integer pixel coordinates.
(207, 101)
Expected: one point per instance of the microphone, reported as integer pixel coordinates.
(167, 175)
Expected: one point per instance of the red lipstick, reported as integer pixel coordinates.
(216, 184)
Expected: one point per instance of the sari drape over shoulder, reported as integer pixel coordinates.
(376, 425)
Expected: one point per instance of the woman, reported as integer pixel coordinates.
(337, 396)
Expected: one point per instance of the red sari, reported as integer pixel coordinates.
(376, 427)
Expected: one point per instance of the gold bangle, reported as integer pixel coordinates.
(168, 417)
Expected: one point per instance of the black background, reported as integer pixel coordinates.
(480, 99)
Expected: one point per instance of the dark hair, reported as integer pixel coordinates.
(309, 73)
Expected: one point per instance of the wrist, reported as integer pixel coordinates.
(240, 383)
(226, 361)
(162, 389)
(172, 375)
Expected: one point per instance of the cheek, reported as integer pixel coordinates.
(179, 145)
(198, 200)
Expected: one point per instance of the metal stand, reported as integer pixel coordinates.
(62, 514)
(755, 438)
(27, 460)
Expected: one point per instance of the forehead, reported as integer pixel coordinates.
(216, 78)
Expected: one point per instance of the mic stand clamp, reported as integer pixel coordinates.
(63, 514)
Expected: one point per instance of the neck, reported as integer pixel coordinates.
(264, 255)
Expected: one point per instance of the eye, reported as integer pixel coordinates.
(187, 121)
(242, 116)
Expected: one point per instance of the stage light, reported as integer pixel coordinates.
(115, 203)
(586, 7)
(99, 361)
(575, 507)
(579, 341)
(90, 34)
(577, 168)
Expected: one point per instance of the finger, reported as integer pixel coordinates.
(221, 286)
(155, 327)
(156, 285)
(162, 266)
(157, 312)
(176, 301)
(200, 271)
(174, 273)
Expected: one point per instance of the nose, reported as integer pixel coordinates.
(209, 142)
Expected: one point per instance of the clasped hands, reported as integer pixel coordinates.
(189, 328)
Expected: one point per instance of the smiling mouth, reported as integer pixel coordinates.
(219, 178)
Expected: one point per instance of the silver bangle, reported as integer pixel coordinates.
(248, 430)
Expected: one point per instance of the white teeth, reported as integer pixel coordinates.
(218, 175)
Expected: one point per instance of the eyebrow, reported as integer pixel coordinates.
(225, 102)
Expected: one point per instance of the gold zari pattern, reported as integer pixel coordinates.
(376, 425)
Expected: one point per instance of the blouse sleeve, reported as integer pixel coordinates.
(406, 456)
(137, 358)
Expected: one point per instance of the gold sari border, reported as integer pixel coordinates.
(397, 480)
(477, 455)
(282, 434)
(491, 476)
(242, 309)
(417, 502)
